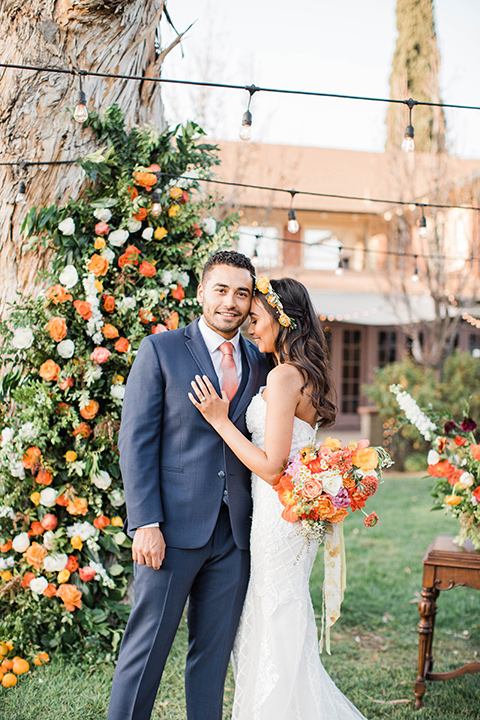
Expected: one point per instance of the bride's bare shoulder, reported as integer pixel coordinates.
(285, 376)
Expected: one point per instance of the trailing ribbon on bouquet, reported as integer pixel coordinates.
(334, 582)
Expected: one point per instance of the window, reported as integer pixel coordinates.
(321, 251)
(262, 239)
(387, 347)
(351, 370)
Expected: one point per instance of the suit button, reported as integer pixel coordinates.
(221, 473)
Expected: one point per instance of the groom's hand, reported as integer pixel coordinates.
(148, 547)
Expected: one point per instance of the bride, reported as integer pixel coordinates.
(277, 668)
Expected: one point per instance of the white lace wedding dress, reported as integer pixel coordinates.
(276, 663)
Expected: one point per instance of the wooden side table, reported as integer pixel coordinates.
(445, 566)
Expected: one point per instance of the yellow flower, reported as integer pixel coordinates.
(173, 210)
(453, 500)
(284, 320)
(63, 576)
(116, 521)
(98, 286)
(76, 542)
(332, 443)
(35, 498)
(263, 284)
(176, 192)
(118, 379)
(160, 233)
(70, 456)
(366, 459)
(99, 243)
(6, 575)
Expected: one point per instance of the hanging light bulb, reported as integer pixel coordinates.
(415, 277)
(246, 128)
(408, 144)
(156, 208)
(339, 269)
(255, 257)
(80, 113)
(292, 224)
(422, 226)
(21, 196)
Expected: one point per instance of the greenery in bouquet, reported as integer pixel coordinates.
(453, 460)
(124, 262)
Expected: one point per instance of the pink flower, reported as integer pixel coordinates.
(100, 355)
(159, 329)
(86, 573)
(101, 228)
(371, 520)
(342, 498)
(312, 488)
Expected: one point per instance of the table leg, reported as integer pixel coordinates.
(427, 608)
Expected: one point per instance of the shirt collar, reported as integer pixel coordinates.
(212, 339)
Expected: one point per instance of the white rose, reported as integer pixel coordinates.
(101, 480)
(116, 498)
(17, 470)
(134, 225)
(48, 497)
(27, 431)
(117, 392)
(38, 585)
(66, 348)
(210, 225)
(55, 562)
(84, 530)
(467, 479)
(69, 276)
(433, 457)
(127, 303)
(49, 540)
(147, 234)
(108, 254)
(331, 481)
(102, 214)
(10, 562)
(23, 338)
(167, 277)
(117, 238)
(21, 542)
(7, 436)
(3, 564)
(67, 226)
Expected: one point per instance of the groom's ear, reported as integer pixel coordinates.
(200, 293)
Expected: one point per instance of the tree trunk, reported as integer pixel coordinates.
(115, 36)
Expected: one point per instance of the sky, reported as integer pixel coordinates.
(342, 47)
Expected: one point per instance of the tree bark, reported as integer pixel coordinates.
(116, 36)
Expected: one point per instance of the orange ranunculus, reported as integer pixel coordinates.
(44, 477)
(109, 331)
(98, 265)
(27, 579)
(141, 214)
(77, 506)
(172, 321)
(72, 564)
(49, 370)
(6, 546)
(84, 430)
(83, 308)
(57, 294)
(366, 459)
(178, 293)
(475, 452)
(324, 507)
(101, 522)
(71, 596)
(35, 555)
(146, 316)
(57, 327)
(453, 500)
(446, 470)
(32, 458)
(122, 345)
(108, 303)
(147, 269)
(90, 410)
(36, 528)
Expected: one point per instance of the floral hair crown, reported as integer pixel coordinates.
(264, 286)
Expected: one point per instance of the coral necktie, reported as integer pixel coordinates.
(229, 370)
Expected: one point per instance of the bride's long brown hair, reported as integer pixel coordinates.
(304, 347)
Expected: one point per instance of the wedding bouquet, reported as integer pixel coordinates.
(322, 483)
(454, 460)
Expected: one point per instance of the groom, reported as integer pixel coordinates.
(188, 498)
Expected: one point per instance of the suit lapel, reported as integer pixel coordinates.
(199, 351)
(251, 385)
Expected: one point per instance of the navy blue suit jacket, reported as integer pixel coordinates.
(174, 465)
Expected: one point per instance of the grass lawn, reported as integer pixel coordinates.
(374, 644)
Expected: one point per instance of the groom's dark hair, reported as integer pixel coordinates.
(229, 257)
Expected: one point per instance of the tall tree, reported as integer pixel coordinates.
(415, 71)
(115, 36)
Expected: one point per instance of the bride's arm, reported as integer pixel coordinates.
(282, 395)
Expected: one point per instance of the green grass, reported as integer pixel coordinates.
(374, 643)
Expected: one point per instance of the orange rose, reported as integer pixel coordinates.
(109, 331)
(57, 294)
(77, 506)
(83, 308)
(84, 430)
(122, 345)
(178, 293)
(44, 477)
(475, 451)
(62, 500)
(71, 596)
(339, 515)
(6, 546)
(172, 321)
(90, 410)
(325, 508)
(147, 269)
(36, 528)
(72, 564)
(108, 303)
(50, 590)
(145, 179)
(49, 370)
(101, 522)
(141, 214)
(98, 265)
(146, 316)
(32, 458)
(57, 327)
(27, 579)
(312, 488)
(366, 458)
(35, 555)
(129, 257)
(476, 493)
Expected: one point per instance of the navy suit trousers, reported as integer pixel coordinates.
(214, 578)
